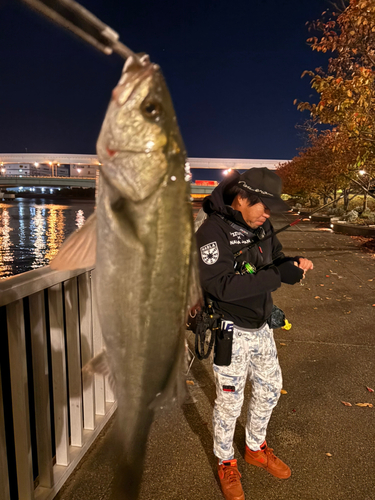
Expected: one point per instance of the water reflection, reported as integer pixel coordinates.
(32, 231)
(80, 218)
(6, 256)
(55, 231)
(37, 229)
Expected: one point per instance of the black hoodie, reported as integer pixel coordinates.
(244, 299)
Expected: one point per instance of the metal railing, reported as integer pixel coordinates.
(49, 414)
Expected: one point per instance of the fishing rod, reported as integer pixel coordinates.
(75, 18)
(257, 238)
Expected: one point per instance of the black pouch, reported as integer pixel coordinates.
(223, 344)
(277, 318)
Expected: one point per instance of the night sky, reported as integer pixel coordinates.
(233, 70)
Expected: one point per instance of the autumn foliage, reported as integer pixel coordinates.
(342, 123)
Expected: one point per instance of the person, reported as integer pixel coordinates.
(240, 288)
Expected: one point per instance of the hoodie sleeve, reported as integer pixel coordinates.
(279, 257)
(216, 266)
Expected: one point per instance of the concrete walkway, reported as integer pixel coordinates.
(327, 357)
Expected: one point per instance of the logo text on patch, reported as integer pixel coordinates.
(210, 253)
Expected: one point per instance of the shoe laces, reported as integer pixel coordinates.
(231, 474)
(270, 454)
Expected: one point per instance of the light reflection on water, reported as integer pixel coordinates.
(32, 231)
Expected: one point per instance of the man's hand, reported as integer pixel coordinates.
(304, 264)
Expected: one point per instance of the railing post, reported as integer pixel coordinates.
(59, 374)
(41, 388)
(74, 361)
(20, 399)
(4, 476)
(85, 315)
(100, 406)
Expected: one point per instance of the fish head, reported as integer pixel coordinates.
(139, 135)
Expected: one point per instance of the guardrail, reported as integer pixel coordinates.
(49, 414)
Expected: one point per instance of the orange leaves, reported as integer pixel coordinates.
(346, 87)
(361, 405)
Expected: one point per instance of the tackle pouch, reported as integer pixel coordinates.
(223, 344)
(277, 318)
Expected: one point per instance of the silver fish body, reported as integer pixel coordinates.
(145, 255)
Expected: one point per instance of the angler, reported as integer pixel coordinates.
(241, 264)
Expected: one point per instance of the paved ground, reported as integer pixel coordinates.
(327, 357)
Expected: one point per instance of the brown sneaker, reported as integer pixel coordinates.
(266, 459)
(230, 480)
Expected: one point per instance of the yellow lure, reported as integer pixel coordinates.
(287, 325)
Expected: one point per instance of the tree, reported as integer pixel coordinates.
(347, 89)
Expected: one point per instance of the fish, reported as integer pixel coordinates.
(141, 241)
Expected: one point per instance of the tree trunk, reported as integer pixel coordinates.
(335, 197)
(346, 192)
(364, 201)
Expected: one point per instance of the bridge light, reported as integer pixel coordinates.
(51, 191)
(79, 170)
(43, 189)
(36, 164)
(50, 164)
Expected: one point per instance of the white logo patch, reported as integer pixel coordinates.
(210, 253)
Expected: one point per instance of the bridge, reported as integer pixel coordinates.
(35, 181)
(81, 182)
(91, 159)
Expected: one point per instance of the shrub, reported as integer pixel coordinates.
(351, 216)
(338, 211)
(366, 213)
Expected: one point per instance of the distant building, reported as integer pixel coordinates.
(35, 170)
(83, 170)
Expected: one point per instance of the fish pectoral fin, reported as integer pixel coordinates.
(79, 250)
(99, 364)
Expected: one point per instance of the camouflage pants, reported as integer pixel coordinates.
(254, 356)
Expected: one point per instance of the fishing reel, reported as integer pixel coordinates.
(245, 268)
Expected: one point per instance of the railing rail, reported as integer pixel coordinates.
(49, 414)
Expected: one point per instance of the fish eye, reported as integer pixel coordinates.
(151, 109)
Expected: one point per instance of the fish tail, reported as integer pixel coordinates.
(131, 457)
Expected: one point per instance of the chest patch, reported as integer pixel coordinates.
(210, 253)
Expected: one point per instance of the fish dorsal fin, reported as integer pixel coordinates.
(79, 250)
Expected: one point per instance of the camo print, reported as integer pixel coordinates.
(254, 355)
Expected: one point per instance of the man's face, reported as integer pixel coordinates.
(254, 215)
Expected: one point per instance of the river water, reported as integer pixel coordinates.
(32, 230)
